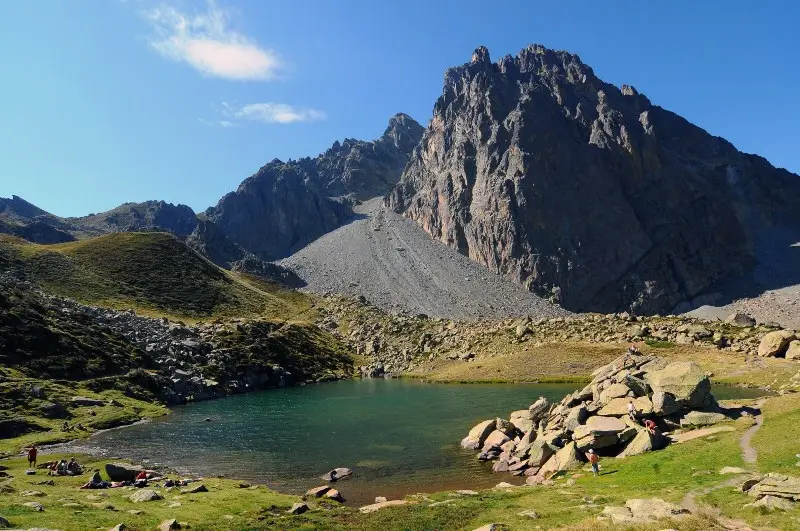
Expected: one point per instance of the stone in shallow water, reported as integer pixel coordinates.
(316, 492)
(337, 473)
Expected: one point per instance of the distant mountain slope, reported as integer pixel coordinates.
(153, 273)
(286, 205)
(588, 194)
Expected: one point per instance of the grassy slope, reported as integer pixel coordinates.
(152, 273)
(573, 361)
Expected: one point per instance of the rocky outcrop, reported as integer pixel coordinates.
(777, 491)
(286, 205)
(598, 418)
(776, 343)
(587, 193)
(131, 217)
(208, 240)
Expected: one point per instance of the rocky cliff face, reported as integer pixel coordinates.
(587, 193)
(286, 205)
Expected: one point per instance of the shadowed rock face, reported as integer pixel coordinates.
(586, 193)
(286, 205)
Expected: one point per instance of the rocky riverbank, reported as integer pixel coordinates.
(607, 416)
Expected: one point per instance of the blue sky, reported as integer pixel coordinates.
(111, 101)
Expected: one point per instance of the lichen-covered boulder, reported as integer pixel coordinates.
(664, 404)
(643, 442)
(685, 380)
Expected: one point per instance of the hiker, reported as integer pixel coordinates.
(632, 413)
(61, 470)
(141, 480)
(651, 426)
(594, 460)
(53, 469)
(73, 468)
(633, 350)
(96, 482)
(32, 453)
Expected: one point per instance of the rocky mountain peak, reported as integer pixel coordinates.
(403, 132)
(585, 192)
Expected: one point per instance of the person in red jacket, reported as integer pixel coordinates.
(594, 460)
(32, 453)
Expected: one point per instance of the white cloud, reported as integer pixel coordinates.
(205, 42)
(278, 113)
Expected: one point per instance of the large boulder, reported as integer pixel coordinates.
(505, 426)
(740, 319)
(617, 390)
(643, 442)
(702, 418)
(539, 409)
(496, 439)
(539, 452)
(565, 459)
(145, 495)
(793, 350)
(779, 485)
(664, 404)
(596, 442)
(477, 435)
(122, 471)
(775, 343)
(599, 425)
(522, 420)
(575, 417)
(618, 407)
(685, 380)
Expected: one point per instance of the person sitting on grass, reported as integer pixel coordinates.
(594, 460)
(73, 468)
(96, 482)
(141, 479)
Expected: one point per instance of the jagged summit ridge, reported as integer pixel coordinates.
(587, 193)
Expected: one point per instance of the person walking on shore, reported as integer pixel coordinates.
(594, 460)
(32, 453)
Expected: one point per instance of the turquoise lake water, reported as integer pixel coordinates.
(398, 436)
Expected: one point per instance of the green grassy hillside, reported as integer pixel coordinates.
(152, 273)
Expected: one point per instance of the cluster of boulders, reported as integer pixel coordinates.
(546, 438)
(774, 491)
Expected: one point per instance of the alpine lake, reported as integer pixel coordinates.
(398, 436)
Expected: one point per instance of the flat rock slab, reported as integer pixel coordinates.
(697, 434)
(83, 401)
(36, 506)
(787, 487)
(378, 506)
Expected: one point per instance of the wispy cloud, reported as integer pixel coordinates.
(277, 113)
(207, 43)
(218, 123)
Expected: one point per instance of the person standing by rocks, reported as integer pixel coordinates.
(594, 460)
(632, 413)
(32, 454)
